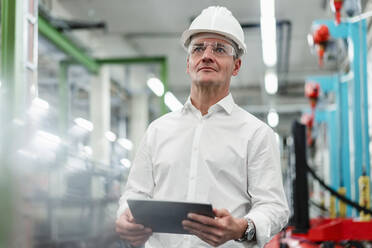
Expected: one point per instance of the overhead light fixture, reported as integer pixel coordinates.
(172, 102)
(268, 32)
(40, 103)
(45, 144)
(83, 123)
(48, 137)
(110, 136)
(271, 82)
(125, 143)
(125, 162)
(39, 108)
(273, 118)
(88, 150)
(156, 86)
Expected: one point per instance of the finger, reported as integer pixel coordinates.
(130, 216)
(135, 232)
(124, 224)
(128, 233)
(203, 219)
(194, 226)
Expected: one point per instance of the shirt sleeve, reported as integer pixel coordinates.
(140, 182)
(269, 210)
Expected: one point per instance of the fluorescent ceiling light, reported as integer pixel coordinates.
(268, 32)
(110, 136)
(273, 118)
(44, 143)
(172, 102)
(267, 8)
(48, 137)
(125, 162)
(126, 143)
(156, 86)
(40, 103)
(84, 124)
(39, 108)
(271, 82)
(88, 150)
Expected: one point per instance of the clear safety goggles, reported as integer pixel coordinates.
(218, 49)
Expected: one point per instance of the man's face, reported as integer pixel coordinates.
(210, 69)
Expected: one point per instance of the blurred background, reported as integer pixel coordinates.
(81, 80)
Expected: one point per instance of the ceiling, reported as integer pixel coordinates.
(153, 28)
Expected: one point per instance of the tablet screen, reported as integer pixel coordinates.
(166, 216)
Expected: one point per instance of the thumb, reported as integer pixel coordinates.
(129, 215)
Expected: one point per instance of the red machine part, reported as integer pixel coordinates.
(312, 90)
(337, 5)
(324, 230)
(320, 37)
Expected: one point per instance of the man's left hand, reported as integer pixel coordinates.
(215, 231)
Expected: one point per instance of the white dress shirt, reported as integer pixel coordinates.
(227, 157)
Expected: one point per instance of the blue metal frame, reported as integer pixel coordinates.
(338, 131)
(356, 32)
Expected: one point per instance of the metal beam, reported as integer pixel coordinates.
(7, 96)
(145, 60)
(67, 46)
(132, 60)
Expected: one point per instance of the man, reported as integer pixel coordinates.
(209, 151)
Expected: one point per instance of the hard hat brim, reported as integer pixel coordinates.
(186, 35)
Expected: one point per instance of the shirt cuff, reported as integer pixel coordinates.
(123, 205)
(263, 227)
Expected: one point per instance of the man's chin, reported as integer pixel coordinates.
(206, 82)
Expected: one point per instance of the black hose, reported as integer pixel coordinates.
(336, 194)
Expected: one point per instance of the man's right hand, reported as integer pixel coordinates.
(129, 230)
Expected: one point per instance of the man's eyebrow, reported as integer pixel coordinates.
(220, 44)
(198, 44)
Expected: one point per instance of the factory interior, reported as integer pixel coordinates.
(81, 80)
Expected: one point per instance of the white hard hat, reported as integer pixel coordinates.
(217, 20)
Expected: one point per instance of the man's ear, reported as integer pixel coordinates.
(237, 65)
(187, 65)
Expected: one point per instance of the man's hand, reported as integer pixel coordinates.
(218, 230)
(129, 230)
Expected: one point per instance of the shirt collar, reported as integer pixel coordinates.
(227, 103)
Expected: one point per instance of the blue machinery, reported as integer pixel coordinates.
(337, 119)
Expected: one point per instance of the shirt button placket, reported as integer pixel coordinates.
(194, 161)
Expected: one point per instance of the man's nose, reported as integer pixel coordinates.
(208, 54)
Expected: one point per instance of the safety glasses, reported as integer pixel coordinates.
(218, 49)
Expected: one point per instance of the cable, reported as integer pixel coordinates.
(319, 206)
(335, 193)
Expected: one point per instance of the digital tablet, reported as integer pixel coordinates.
(166, 216)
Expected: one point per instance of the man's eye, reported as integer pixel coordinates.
(198, 49)
(220, 50)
